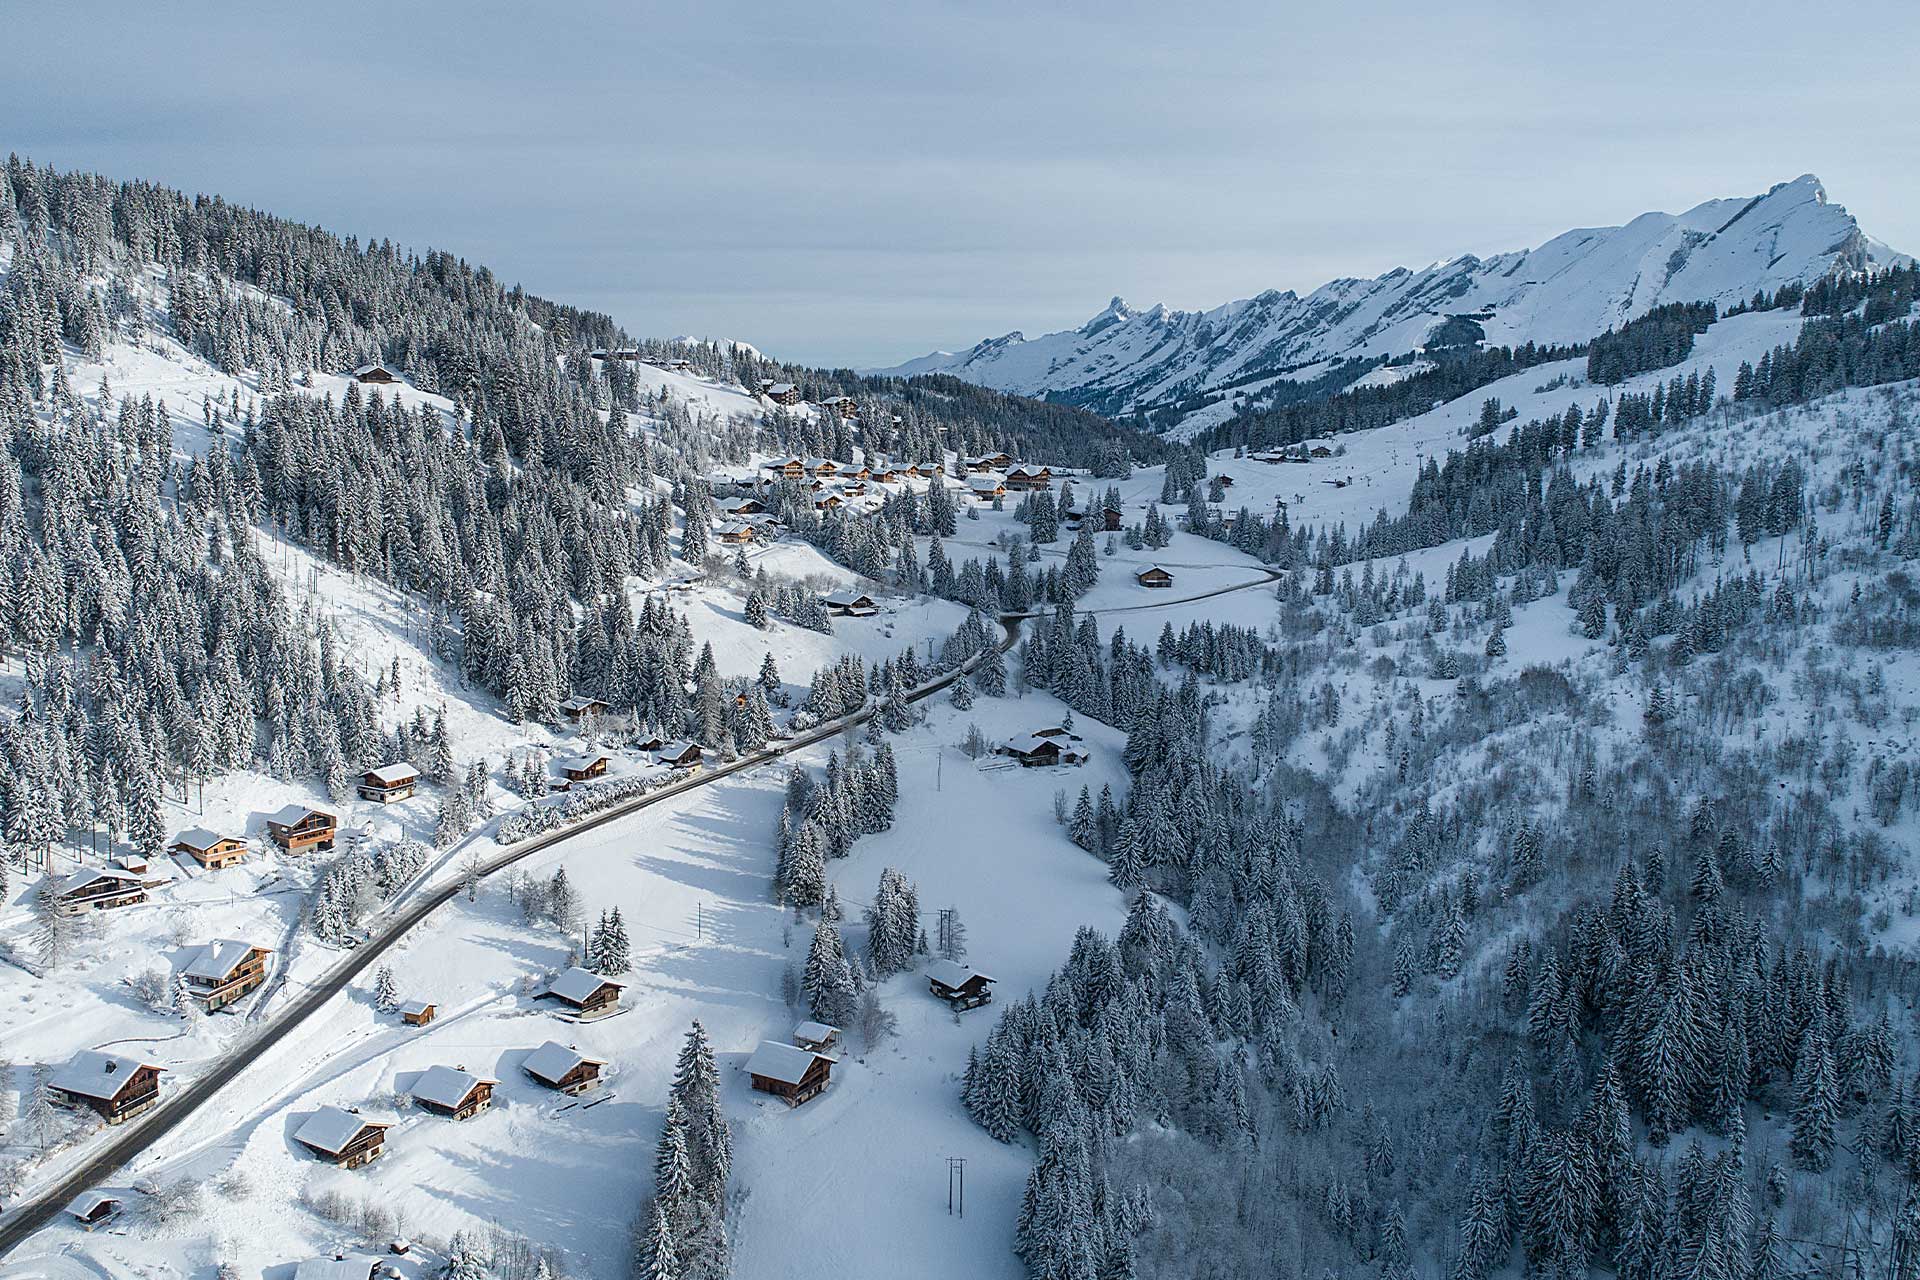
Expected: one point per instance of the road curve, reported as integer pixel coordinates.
(31, 1215)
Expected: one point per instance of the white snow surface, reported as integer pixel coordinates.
(1574, 286)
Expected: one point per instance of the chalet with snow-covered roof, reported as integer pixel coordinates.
(849, 604)
(781, 392)
(378, 374)
(788, 468)
(453, 1092)
(586, 993)
(221, 972)
(98, 889)
(957, 984)
(580, 706)
(210, 849)
(842, 405)
(1043, 749)
(585, 767)
(1023, 479)
(133, 863)
(790, 1073)
(388, 783)
(983, 462)
(745, 505)
(563, 1068)
(417, 1013)
(117, 1088)
(733, 533)
(884, 473)
(299, 828)
(341, 1266)
(1154, 577)
(343, 1136)
(816, 1037)
(987, 488)
(92, 1208)
(1321, 448)
(678, 754)
(826, 502)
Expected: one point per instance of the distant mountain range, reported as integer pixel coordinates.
(1198, 366)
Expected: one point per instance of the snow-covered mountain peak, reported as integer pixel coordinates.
(1568, 289)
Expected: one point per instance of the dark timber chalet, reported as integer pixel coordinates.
(1024, 479)
(1110, 519)
(585, 767)
(588, 994)
(959, 986)
(209, 848)
(417, 1013)
(390, 782)
(374, 373)
(790, 1073)
(850, 604)
(221, 972)
(559, 1067)
(817, 1037)
(579, 707)
(91, 1208)
(1154, 577)
(453, 1091)
(1044, 747)
(97, 889)
(298, 828)
(117, 1088)
(679, 754)
(344, 1137)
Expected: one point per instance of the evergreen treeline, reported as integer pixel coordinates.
(681, 1233)
(1660, 338)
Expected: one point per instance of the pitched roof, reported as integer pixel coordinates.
(369, 368)
(586, 760)
(552, 1060)
(200, 838)
(218, 959)
(87, 875)
(783, 1062)
(330, 1129)
(1028, 743)
(847, 597)
(580, 702)
(578, 985)
(949, 974)
(392, 775)
(291, 815)
(677, 748)
(92, 1074)
(83, 1205)
(415, 1007)
(352, 1267)
(446, 1086)
(814, 1031)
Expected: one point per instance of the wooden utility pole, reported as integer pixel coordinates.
(956, 1186)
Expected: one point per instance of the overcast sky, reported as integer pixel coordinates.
(857, 183)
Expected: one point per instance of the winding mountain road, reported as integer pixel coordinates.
(28, 1217)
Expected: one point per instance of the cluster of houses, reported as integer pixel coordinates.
(1305, 451)
(631, 355)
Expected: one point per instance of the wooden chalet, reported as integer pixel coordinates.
(1154, 577)
(341, 1266)
(344, 1137)
(824, 468)
(678, 754)
(115, 1087)
(91, 1208)
(782, 393)
(816, 1037)
(741, 506)
(1320, 449)
(579, 707)
(1110, 518)
(790, 1073)
(417, 1013)
(1024, 479)
(134, 864)
(388, 783)
(983, 462)
(453, 1092)
(298, 828)
(209, 848)
(842, 405)
(1045, 748)
(987, 490)
(98, 889)
(826, 502)
(617, 353)
(733, 533)
(587, 993)
(788, 468)
(849, 604)
(1226, 481)
(563, 1068)
(958, 985)
(374, 373)
(221, 972)
(585, 768)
